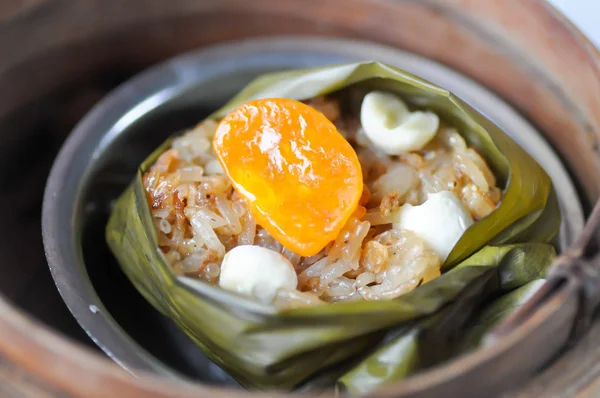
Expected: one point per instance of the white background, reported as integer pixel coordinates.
(584, 13)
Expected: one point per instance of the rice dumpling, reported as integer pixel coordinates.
(308, 225)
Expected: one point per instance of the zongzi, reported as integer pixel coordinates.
(320, 214)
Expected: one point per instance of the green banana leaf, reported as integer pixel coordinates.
(494, 313)
(265, 348)
(410, 351)
(517, 263)
(459, 327)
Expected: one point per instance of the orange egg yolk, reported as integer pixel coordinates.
(299, 177)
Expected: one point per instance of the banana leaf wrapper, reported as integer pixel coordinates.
(265, 348)
(459, 327)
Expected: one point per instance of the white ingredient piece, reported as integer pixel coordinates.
(392, 128)
(440, 221)
(256, 271)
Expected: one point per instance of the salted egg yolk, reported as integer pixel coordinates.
(299, 177)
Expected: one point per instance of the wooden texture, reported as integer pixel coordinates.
(575, 374)
(58, 57)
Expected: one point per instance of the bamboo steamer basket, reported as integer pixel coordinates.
(60, 58)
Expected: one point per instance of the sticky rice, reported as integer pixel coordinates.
(199, 217)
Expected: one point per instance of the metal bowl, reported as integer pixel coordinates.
(100, 157)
